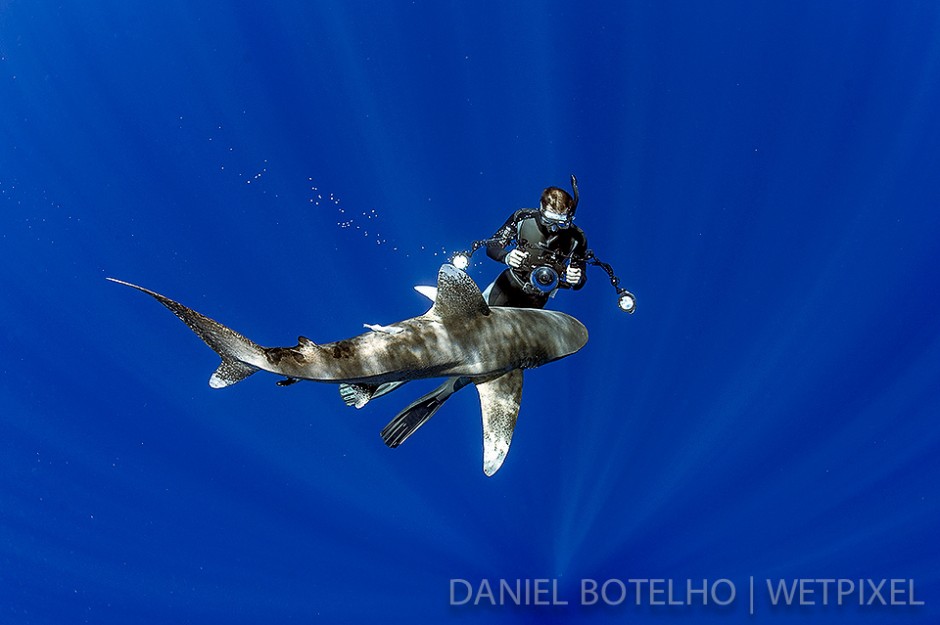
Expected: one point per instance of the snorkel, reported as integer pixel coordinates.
(574, 195)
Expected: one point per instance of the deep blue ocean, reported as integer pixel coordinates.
(765, 177)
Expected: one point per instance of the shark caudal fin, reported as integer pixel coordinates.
(237, 352)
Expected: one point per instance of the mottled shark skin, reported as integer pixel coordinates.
(459, 336)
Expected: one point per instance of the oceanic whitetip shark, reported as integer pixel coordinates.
(459, 336)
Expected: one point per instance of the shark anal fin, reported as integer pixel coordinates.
(499, 403)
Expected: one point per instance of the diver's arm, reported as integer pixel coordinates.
(496, 250)
(498, 246)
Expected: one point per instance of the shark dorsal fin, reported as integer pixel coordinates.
(458, 296)
(499, 403)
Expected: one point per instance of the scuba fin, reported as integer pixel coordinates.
(418, 412)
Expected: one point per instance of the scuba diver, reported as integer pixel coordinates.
(549, 252)
(544, 252)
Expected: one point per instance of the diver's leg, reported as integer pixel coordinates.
(388, 387)
(419, 411)
(498, 292)
(505, 291)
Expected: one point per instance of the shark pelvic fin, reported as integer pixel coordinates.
(499, 402)
(458, 296)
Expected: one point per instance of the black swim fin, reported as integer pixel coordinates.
(418, 412)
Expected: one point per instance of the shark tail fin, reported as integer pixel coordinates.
(238, 353)
(230, 372)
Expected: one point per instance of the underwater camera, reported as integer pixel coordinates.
(544, 279)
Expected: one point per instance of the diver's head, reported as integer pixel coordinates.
(556, 207)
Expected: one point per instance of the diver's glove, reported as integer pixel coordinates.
(515, 258)
(573, 275)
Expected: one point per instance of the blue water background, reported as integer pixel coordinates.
(764, 176)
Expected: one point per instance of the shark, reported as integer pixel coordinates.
(459, 336)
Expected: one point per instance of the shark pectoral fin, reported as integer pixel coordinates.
(499, 402)
(458, 296)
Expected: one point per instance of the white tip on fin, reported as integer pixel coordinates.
(230, 372)
(429, 292)
(383, 329)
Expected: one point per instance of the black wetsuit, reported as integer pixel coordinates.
(512, 286)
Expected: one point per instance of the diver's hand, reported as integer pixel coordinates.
(572, 275)
(515, 258)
